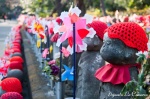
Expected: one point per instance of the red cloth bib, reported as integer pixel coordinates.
(114, 74)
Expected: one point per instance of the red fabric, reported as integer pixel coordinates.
(58, 20)
(126, 19)
(55, 37)
(16, 50)
(16, 58)
(41, 35)
(15, 65)
(99, 27)
(7, 52)
(18, 36)
(17, 47)
(16, 41)
(114, 74)
(51, 31)
(3, 69)
(130, 33)
(16, 44)
(11, 95)
(11, 85)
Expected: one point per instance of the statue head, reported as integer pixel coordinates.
(95, 43)
(122, 41)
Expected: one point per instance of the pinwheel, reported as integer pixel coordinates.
(67, 75)
(73, 30)
(81, 32)
(80, 29)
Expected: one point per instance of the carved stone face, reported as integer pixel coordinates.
(116, 52)
(93, 44)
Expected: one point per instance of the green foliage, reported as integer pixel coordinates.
(46, 7)
(3, 7)
(42, 7)
(139, 87)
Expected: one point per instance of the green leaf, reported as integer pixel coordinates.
(129, 87)
(141, 90)
(141, 78)
(141, 58)
(46, 68)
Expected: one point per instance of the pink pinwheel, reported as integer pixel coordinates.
(81, 32)
(67, 29)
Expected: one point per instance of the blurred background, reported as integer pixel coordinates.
(97, 8)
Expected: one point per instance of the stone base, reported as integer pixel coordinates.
(38, 83)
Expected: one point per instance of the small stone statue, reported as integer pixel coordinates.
(121, 43)
(89, 62)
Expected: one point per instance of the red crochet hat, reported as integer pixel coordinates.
(58, 20)
(130, 33)
(99, 27)
(17, 58)
(15, 65)
(11, 85)
(11, 95)
(55, 37)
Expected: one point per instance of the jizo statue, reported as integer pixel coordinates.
(121, 43)
(89, 62)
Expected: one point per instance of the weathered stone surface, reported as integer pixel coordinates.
(17, 73)
(87, 84)
(93, 44)
(38, 83)
(116, 52)
(2, 91)
(16, 54)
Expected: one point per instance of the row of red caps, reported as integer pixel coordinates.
(12, 69)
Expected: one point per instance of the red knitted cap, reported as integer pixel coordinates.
(16, 50)
(15, 65)
(130, 33)
(58, 20)
(17, 58)
(99, 27)
(11, 85)
(11, 95)
(16, 44)
(55, 37)
(16, 47)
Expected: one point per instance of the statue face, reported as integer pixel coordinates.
(93, 44)
(116, 52)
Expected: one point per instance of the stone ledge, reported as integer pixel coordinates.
(39, 89)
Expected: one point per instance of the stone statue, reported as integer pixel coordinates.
(121, 43)
(89, 62)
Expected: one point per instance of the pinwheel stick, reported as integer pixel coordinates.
(48, 41)
(74, 62)
(60, 62)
